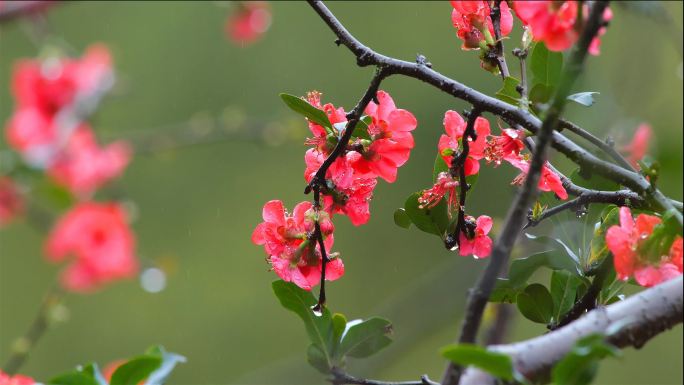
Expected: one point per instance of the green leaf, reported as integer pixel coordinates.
(598, 250)
(504, 291)
(318, 359)
(169, 362)
(339, 322)
(563, 291)
(94, 371)
(57, 196)
(546, 65)
(439, 167)
(74, 378)
(361, 129)
(434, 220)
(300, 301)
(508, 92)
(580, 365)
(536, 303)
(362, 339)
(497, 364)
(543, 239)
(540, 93)
(584, 98)
(303, 107)
(402, 219)
(522, 269)
(135, 370)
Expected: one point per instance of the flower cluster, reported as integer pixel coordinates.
(638, 147)
(381, 143)
(555, 23)
(44, 127)
(288, 240)
(48, 131)
(631, 244)
(473, 22)
(494, 149)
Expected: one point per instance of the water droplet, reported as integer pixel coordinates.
(475, 256)
(454, 248)
(317, 310)
(643, 235)
(153, 280)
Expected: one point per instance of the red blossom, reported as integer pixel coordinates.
(11, 201)
(249, 22)
(548, 180)
(477, 244)
(455, 126)
(17, 379)
(638, 147)
(626, 241)
(554, 23)
(98, 236)
(444, 185)
(507, 145)
(82, 166)
(336, 116)
(286, 239)
(391, 140)
(473, 22)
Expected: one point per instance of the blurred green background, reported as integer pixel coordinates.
(197, 205)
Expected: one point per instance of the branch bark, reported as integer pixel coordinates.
(637, 319)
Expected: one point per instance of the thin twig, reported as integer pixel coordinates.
(339, 377)
(495, 14)
(606, 147)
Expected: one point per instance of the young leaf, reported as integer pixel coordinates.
(169, 362)
(497, 364)
(580, 365)
(546, 240)
(439, 167)
(540, 93)
(504, 291)
(402, 219)
(508, 92)
(433, 220)
(93, 370)
(339, 322)
(74, 377)
(361, 129)
(584, 98)
(535, 303)
(597, 247)
(303, 107)
(300, 301)
(563, 291)
(365, 338)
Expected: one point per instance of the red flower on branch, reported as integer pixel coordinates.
(98, 236)
(444, 185)
(474, 24)
(293, 254)
(249, 22)
(628, 243)
(455, 127)
(506, 146)
(475, 241)
(82, 166)
(11, 201)
(638, 147)
(391, 140)
(17, 379)
(555, 23)
(336, 116)
(548, 180)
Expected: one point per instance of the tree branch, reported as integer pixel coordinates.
(11, 10)
(602, 145)
(637, 319)
(339, 377)
(366, 56)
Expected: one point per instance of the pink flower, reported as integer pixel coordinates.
(638, 147)
(470, 18)
(548, 181)
(17, 379)
(507, 145)
(445, 185)
(82, 166)
(552, 22)
(101, 242)
(321, 135)
(286, 239)
(249, 22)
(391, 140)
(11, 201)
(344, 192)
(478, 243)
(455, 127)
(625, 242)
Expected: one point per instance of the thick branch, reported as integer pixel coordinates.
(638, 319)
(11, 10)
